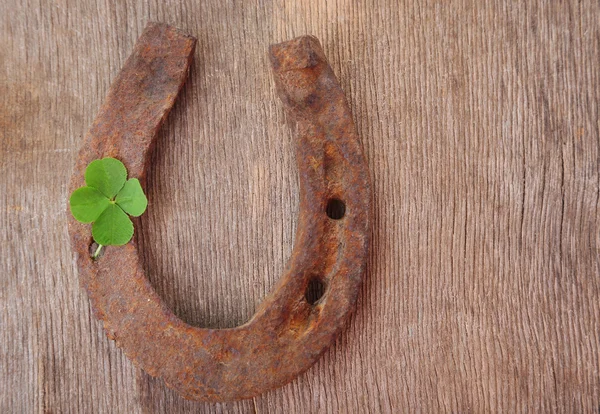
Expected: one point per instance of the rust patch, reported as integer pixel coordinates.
(287, 334)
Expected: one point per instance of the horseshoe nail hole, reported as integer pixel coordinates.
(336, 209)
(314, 291)
(95, 253)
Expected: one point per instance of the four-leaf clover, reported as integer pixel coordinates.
(106, 200)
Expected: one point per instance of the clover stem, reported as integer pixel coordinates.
(97, 252)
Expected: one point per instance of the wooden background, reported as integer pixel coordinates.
(480, 123)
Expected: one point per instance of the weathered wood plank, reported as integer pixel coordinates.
(480, 121)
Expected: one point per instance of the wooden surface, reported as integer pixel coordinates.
(480, 123)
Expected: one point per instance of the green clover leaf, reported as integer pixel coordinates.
(87, 204)
(106, 200)
(107, 175)
(131, 198)
(113, 227)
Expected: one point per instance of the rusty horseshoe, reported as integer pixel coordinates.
(289, 330)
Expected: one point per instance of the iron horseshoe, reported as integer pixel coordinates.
(287, 334)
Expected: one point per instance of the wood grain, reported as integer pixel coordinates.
(480, 122)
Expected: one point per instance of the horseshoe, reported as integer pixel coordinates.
(289, 330)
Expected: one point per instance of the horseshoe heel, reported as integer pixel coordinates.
(289, 332)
